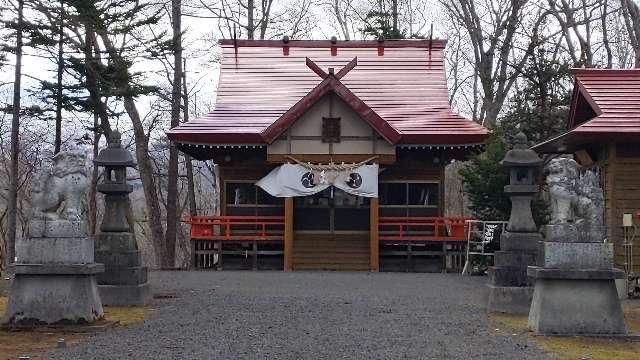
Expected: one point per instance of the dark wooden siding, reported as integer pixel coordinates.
(622, 195)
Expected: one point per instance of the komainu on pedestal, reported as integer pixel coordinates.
(575, 291)
(55, 272)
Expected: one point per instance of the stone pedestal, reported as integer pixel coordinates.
(575, 290)
(124, 282)
(55, 276)
(510, 289)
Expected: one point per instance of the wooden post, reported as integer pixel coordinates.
(288, 234)
(254, 265)
(374, 260)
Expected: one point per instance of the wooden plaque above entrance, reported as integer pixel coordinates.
(326, 158)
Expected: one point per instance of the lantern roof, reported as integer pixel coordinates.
(520, 154)
(114, 154)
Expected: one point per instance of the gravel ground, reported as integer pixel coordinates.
(311, 315)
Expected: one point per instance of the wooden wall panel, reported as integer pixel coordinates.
(622, 195)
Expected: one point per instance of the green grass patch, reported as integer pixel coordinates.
(126, 315)
(573, 347)
(37, 342)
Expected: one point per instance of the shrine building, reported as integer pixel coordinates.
(603, 134)
(331, 156)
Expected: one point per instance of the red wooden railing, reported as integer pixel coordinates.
(237, 228)
(271, 228)
(418, 228)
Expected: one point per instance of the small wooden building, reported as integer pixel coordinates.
(604, 134)
(331, 107)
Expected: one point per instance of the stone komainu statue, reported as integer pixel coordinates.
(58, 191)
(561, 178)
(575, 196)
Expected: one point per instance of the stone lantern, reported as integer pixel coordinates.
(124, 281)
(115, 161)
(522, 163)
(510, 288)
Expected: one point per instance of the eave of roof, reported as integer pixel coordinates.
(402, 89)
(436, 44)
(614, 98)
(330, 83)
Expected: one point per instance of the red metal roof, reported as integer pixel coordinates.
(605, 107)
(401, 82)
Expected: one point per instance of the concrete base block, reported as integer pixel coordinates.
(571, 307)
(59, 250)
(509, 276)
(125, 295)
(123, 276)
(576, 255)
(513, 241)
(510, 299)
(59, 228)
(51, 299)
(116, 242)
(517, 259)
(119, 259)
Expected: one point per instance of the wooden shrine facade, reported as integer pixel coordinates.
(604, 134)
(348, 103)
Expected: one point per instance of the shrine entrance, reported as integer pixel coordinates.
(331, 231)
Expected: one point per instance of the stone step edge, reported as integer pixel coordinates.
(56, 269)
(586, 274)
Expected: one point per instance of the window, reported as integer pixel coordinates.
(330, 129)
(240, 194)
(409, 198)
(423, 194)
(244, 198)
(393, 193)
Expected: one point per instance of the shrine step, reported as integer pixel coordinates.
(348, 252)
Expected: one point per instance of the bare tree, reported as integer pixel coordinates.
(120, 37)
(191, 194)
(342, 11)
(15, 146)
(494, 29)
(176, 100)
(59, 85)
(631, 16)
(246, 16)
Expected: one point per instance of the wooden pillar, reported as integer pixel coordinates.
(374, 253)
(288, 234)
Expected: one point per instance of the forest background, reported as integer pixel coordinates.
(73, 71)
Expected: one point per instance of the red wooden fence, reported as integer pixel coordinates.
(271, 228)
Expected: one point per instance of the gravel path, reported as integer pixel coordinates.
(311, 315)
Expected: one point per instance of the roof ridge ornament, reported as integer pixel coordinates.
(339, 75)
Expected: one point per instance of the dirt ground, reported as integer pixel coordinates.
(4, 286)
(36, 342)
(573, 347)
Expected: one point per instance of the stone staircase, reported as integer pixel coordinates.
(331, 252)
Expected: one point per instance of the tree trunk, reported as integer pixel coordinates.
(251, 28)
(605, 36)
(172, 179)
(342, 19)
(394, 15)
(91, 82)
(58, 139)
(93, 189)
(191, 192)
(12, 206)
(631, 14)
(145, 168)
